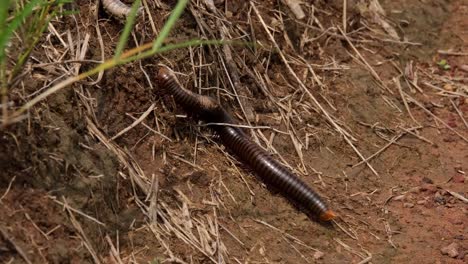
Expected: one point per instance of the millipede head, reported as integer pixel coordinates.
(164, 74)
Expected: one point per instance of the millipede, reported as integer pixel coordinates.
(269, 170)
(118, 9)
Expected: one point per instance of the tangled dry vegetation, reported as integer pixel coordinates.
(102, 170)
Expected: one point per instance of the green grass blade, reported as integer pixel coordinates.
(4, 6)
(15, 23)
(127, 29)
(170, 47)
(178, 10)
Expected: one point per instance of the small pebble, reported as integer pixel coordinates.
(450, 250)
(448, 87)
(318, 255)
(462, 254)
(427, 180)
(420, 202)
(438, 198)
(415, 189)
(408, 205)
(428, 188)
(458, 178)
(399, 197)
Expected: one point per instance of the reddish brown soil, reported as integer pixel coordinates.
(406, 214)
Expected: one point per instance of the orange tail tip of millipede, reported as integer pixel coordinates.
(327, 216)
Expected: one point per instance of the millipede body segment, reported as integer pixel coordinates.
(270, 171)
(118, 9)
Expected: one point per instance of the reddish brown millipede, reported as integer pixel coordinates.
(269, 170)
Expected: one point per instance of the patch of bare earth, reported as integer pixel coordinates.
(364, 115)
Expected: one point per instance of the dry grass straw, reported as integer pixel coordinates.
(15, 245)
(86, 242)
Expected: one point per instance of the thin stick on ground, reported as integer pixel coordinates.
(68, 207)
(457, 195)
(136, 122)
(114, 252)
(351, 235)
(398, 84)
(345, 7)
(451, 53)
(392, 141)
(287, 235)
(416, 102)
(410, 131)
(18, 249)
(458, 112)
(8, 188)
(150, 129)
(365, 259)
(81, 233)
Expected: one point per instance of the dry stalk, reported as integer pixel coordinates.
(18, 249)
(366, 258)
(68, 207)
(435, 117)
(135, 123)
(81, 233)
(8, 189)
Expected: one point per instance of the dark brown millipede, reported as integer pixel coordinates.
(269, 170)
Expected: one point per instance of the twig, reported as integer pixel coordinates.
(443, 90)
(410, 131)
(114, 252)
(35, 225)
(8, 188)
(68, 207)
(150, 129)
(458, 112)
(451, 53)
(16, 246)
(434, 116)
(457, 195)
(295, 239)
(365, 259)
(344, 230)
(81, 233)
(345, 7)
(136, 122)
(392, 141)
(397, 83)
